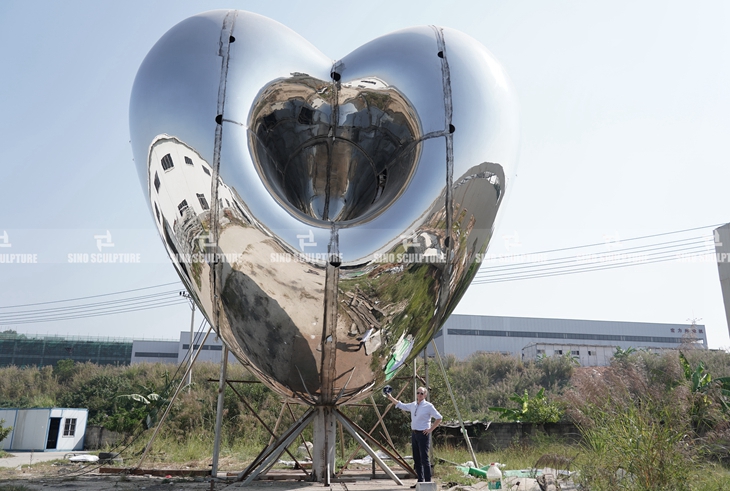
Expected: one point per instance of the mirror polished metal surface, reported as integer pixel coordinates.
(327, 216)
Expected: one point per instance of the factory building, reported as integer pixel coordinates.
(166, 351)
(590, 341)
(31, 350)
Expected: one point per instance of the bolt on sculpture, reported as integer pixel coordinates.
(325, 216)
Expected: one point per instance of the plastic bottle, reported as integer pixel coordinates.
(494, 476)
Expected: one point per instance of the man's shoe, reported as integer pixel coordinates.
(413, 487)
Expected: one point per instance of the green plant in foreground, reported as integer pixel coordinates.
(623, 354)
(635, 447)
(531, 409)
(701, 382)
(4, 430)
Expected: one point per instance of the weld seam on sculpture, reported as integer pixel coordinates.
(329, 334)
(224, 52)
(334, 246)
(449, 205)
(334, 124)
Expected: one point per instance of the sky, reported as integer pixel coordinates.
(624, 116)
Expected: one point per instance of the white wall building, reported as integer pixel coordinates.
(585, 355)
(176, 351)
(41, 429)
(463, 335)
(180, 184)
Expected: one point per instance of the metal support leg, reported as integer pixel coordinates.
(393, 455)
(323, 455)
(363, 444)
(390, 406)
(219, 412)
(274, 451)
(248, 406)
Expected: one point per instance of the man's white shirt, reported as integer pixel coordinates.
(421, 414)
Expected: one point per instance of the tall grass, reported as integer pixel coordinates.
(640, 429)
(639, 447)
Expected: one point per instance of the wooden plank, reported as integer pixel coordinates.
(155, 472)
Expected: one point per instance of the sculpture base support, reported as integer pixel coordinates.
(325, 420)
(324, 438)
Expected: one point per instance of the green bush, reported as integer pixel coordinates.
(535, 409)
(4, 430)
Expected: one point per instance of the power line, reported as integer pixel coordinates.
(98, 314)
(568, 259)
(90, 296)
(631, 256)
(671, 250)
(629, 240)
(18, 314)
(88, 309)
(81, 307)
(565, 271)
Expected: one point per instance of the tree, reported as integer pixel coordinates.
(64, 370)
(532, 409)
(4, 431)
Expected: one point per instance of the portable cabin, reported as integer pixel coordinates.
(44, 429)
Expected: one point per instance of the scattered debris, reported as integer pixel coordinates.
(83, 458)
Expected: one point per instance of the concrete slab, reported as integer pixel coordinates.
(426, 486)
(26, 458)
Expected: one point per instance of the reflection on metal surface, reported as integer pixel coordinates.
(326, 217)
(335, 152)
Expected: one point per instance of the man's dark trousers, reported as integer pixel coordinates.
(420, 445)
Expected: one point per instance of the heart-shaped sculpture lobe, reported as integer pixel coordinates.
(326, 217)
(329, 151)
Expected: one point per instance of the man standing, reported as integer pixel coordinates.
(421, 413)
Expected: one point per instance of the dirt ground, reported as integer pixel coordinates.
(98, 482)
(51, 476)
(101, 483)
(60, 474)
(64, 475)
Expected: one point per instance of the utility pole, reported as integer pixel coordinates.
(192, 337)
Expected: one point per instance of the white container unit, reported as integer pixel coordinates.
(45, 429)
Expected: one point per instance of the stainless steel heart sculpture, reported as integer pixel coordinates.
(326, 216)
